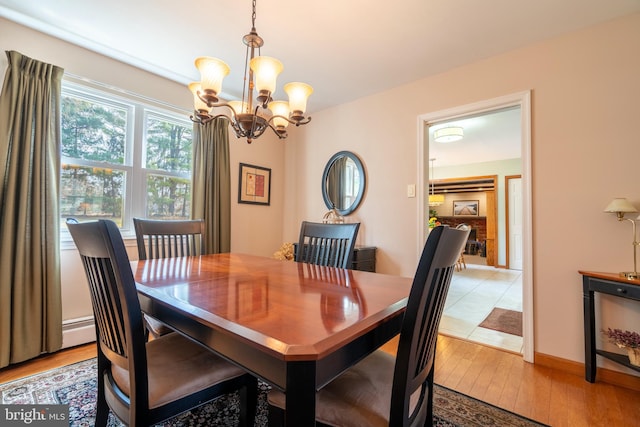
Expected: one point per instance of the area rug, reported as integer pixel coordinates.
(503, 320)
(75, 385)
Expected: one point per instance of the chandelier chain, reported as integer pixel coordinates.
(253, 15)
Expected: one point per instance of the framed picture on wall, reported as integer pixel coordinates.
(466, 208)
(255, 185)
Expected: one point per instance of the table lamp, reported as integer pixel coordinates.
(621, 206)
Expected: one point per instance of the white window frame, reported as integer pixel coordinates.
(138, 109)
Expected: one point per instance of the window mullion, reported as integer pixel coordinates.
(137, 184)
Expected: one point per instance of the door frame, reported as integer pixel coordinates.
(508, 215)
(522, 100)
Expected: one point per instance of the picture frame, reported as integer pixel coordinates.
(254, 185)
(466, 208)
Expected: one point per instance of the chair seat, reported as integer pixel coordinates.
(155, 327)
(360, 397)
(178, 367)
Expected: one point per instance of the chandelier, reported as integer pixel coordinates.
(250, 118)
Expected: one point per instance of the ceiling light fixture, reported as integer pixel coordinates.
(434, 199)
(448, 134)
(249, 121)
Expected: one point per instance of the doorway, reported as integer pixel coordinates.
(522, 102)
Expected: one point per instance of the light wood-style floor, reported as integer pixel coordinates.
(494, 376)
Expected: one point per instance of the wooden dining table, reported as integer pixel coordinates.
(294, 325)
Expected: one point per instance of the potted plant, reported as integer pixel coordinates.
(626, 339)
(433, 222)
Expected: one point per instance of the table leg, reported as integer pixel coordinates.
(300, 395)
(589, 332)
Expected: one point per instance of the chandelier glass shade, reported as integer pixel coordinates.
(448, 134)
(250, 117)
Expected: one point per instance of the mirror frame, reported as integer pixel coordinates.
(361, 190)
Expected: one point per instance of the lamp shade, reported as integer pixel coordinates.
(448, 134)
(266, 70)
(280, 108)
(436, 199)
(239, 107)
(620, 205)
(212, 72)
(198, 103)
(298, 95)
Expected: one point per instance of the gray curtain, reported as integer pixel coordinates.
(30, 297)
(211, 199)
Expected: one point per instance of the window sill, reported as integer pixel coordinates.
(67, 244)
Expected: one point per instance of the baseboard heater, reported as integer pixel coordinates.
(80, 330)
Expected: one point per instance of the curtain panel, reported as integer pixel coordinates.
(30, 293)
(212, 183)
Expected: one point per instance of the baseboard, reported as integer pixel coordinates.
(78, 331)
(603, 374)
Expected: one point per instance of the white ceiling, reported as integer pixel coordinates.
(345, 49)
(488, 137)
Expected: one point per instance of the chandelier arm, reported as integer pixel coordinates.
(293, 122)
(209, 118)
(281, 134)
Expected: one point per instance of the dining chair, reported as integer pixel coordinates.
(145, 382)
(167, 239)
(327, 244)
(461, 261)
(382, 390)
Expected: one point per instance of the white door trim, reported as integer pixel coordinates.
(523, 100)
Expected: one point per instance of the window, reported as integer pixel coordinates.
(122, 157)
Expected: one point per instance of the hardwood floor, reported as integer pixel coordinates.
(494, 376)
(51, 361)
(546, 395)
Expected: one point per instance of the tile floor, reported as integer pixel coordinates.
(473, 293)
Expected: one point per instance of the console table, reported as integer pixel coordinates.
(364, 258)
(610, 284)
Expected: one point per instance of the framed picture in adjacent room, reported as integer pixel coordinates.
(466, 208)
(255, 185)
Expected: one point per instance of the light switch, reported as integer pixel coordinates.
(411, 190)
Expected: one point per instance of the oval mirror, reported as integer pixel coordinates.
(343, 182)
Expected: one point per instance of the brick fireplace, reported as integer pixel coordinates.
(478, 223)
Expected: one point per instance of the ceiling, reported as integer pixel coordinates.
(344, 49)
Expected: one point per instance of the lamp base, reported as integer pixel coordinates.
(630, 275)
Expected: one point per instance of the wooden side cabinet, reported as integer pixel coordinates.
(610, 284)
(364, 258)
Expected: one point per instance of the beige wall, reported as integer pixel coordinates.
(255, 229)
(585, 94)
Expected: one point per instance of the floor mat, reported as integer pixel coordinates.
(503, 320)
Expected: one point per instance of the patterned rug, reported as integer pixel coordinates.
(503, 320)
(75, 385)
